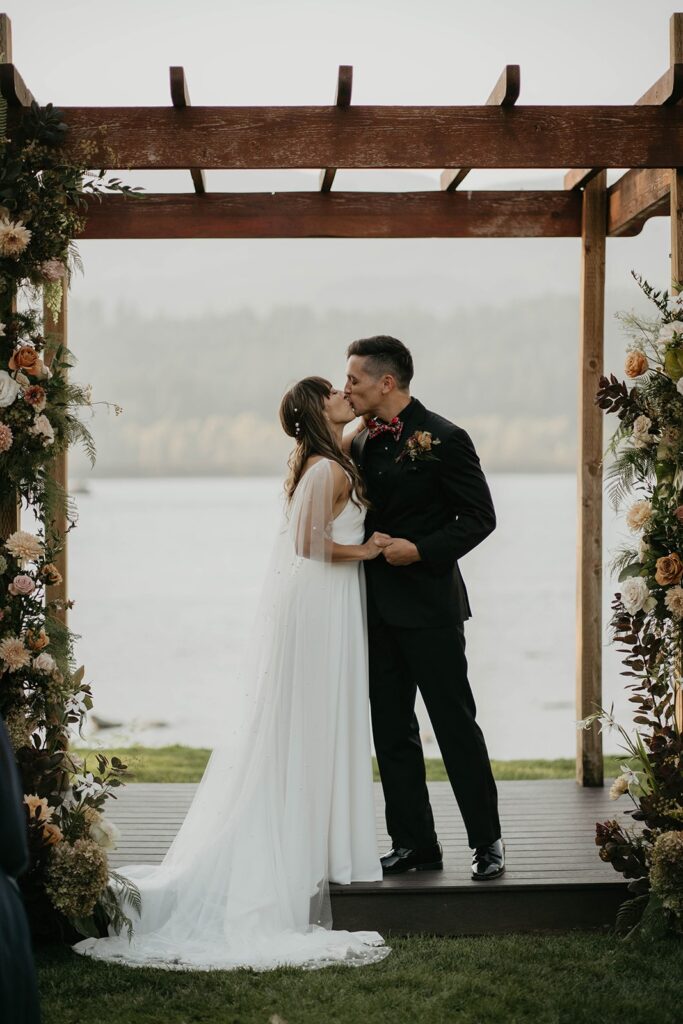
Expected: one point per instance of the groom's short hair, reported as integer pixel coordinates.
(385, 355)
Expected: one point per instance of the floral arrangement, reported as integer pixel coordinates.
(647, 622)
(43, 695)
(419, 447)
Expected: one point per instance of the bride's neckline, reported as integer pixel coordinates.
(324, 458)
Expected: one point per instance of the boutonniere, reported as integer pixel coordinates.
(419, 447)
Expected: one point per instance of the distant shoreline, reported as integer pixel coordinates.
(212, 475)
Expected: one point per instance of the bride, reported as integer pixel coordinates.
(286, 801)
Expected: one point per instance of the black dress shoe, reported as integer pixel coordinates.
(488, 861)
(401, 859)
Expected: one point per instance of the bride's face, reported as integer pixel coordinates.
(337, 409)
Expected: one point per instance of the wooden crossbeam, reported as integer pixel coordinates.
(378, 137)
(342, 101)
(180, 98)
(634, 198)
(524, 214)
(667, 91)
(505, 94)
(13, 89)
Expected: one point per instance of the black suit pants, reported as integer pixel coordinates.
(433, 659)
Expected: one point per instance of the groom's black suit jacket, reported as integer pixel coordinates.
(443, 506)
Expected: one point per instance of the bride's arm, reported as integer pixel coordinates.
(347, 439)
(325, 488)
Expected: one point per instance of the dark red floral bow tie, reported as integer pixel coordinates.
(376, 427)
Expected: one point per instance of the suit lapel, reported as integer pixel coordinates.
(358, 447)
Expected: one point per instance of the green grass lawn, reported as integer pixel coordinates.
(186, 764)
(570, 978)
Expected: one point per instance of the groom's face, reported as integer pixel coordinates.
(363, 390)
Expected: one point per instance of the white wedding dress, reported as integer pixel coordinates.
(286, 801)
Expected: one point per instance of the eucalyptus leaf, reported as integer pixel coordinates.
(634, 569)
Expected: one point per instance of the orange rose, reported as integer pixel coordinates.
(26, 358)
(37, 643)
(636, 364)
(52, 834)
(51, 574)
(669, 570)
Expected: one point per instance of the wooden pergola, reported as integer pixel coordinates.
(646, 137)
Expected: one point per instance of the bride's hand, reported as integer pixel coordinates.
(374, 545)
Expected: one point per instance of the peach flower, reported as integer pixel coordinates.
(51, 574)
(37, 643)
(14, 238)
(636, 364)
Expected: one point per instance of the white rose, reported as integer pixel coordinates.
(105, 833)
(43, 427)
(667, 331)
(634, 594)
(641, 436)
(643, 549)
(44, 663)
(9, 389)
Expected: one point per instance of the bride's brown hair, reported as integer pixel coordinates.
(302, 415)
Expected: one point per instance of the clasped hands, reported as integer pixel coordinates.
(396, 550)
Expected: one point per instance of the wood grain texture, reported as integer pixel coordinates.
(635, 197)
(390, 136)
(589, 760)
(554, 879)
(10, 505)
(666, 91)
(56, 334)
(342, 100)
(13, 89)
(505, 93)
(180, 97)
(338, 215)
(5, 39)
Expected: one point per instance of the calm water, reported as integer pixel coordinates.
(166, 575)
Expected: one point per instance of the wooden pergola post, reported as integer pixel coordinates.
(55, 335)
(676, 212)
(589, 763)
(9, 505)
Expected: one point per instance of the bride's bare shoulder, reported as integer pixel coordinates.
(339, 477)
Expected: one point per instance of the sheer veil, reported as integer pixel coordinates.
(244, 882)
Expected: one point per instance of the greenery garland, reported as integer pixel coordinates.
(43, 696)
(646, 468)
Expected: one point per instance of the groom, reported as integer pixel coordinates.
(428, 492)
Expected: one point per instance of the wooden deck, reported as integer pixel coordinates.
(554, 878)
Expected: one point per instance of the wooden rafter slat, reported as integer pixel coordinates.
(634, 198)
(13, 88)
(481, 214)
(342, 102)
(505, 93)
(180, 97)
(144, 138)
(666, 91)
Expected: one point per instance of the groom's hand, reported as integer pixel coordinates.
(398, 551)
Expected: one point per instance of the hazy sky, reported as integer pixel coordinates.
(77, 52)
